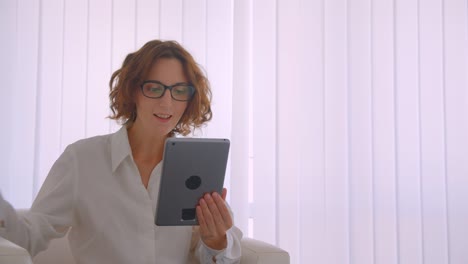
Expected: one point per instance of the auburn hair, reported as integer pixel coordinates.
(126, 81)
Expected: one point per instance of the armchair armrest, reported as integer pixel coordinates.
(258, 252)
(13, 254)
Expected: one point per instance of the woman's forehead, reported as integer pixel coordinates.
(167, 71)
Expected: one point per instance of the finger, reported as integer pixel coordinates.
(223, 210)
(224, 193)
(201, 219)
(218, 219)
(216, 200)
(208, 217)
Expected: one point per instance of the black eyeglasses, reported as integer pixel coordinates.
(179, 91)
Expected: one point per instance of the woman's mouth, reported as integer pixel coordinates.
(162, 116)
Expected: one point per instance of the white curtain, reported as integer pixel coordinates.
(348, 118)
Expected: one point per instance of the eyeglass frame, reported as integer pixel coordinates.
(169, 87)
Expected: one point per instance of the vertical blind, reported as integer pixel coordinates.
(348, 118)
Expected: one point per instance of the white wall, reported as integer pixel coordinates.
(349, 118)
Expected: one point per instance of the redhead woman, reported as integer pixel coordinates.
(103, 190)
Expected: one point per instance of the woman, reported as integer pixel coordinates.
(103, 189)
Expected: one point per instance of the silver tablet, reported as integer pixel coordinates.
(191, 167)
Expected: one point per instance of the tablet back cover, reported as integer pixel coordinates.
(191, 168)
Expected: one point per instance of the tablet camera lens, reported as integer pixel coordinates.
(193, 182)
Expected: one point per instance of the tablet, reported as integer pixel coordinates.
(191, 167)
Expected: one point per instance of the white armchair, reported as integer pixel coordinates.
(253, 252)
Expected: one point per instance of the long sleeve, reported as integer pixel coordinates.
(8, 216)
(230, 255)
(51, 213)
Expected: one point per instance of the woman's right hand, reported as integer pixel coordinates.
(214, 219)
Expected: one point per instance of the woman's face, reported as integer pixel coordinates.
(161, 115)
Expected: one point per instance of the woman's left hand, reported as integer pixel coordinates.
(214, 219)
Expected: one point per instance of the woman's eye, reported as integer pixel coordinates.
(156, 89)
(181, 90)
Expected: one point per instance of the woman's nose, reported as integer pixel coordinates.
(166, 99)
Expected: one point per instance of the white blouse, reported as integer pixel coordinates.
(95, 188)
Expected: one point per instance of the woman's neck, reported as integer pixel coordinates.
(146, 147)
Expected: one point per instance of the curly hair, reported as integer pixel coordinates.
(136, 66)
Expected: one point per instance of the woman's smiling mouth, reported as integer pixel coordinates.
(163, 116)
